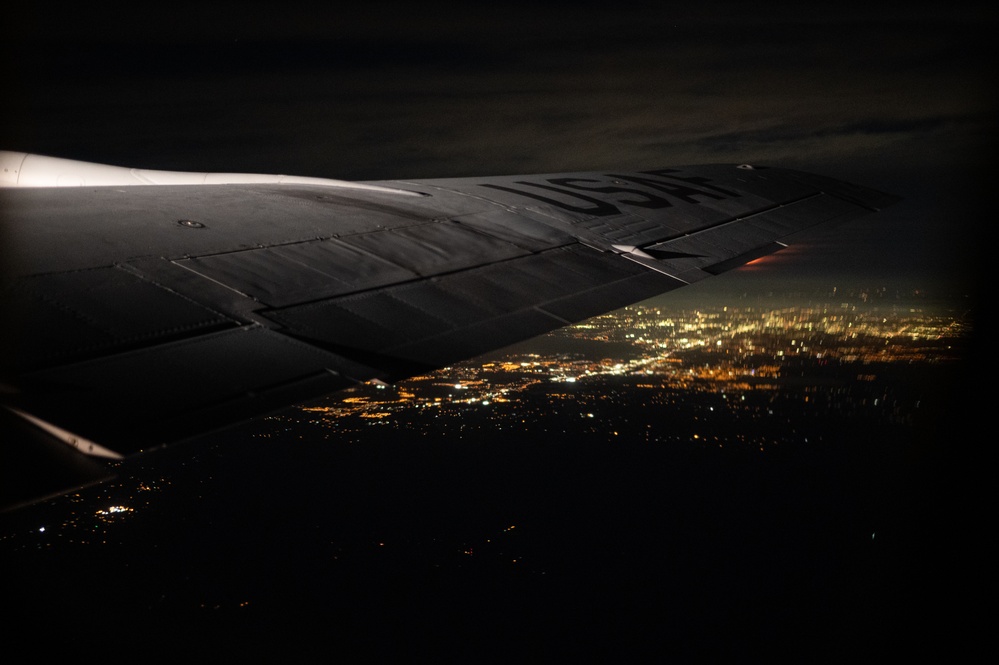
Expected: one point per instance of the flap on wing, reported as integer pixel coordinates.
(460, 315)
(68, 316)
(133, 400)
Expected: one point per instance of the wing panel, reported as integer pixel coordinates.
(154, 395)
(540, 278)
(279, 276)
(434, 248)
(516, 229)
(470, 341)
(607, 297)
(67, 316)
(422, 323)
(455, 309)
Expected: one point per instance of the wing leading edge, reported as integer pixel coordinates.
(137, 316)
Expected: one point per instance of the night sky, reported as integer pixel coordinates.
(897, 100)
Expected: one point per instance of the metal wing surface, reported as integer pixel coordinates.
(136, 316)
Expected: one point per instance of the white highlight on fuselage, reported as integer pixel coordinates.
(23, 169)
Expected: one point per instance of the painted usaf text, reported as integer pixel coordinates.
(676, 187)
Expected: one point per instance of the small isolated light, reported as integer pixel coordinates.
(748, 167)
(190, 223)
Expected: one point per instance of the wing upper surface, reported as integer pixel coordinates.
(135, 316)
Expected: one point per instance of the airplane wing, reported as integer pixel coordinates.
(137, 314)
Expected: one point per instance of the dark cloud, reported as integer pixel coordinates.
(576, 88)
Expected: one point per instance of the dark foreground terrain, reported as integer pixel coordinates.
(559, 539)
